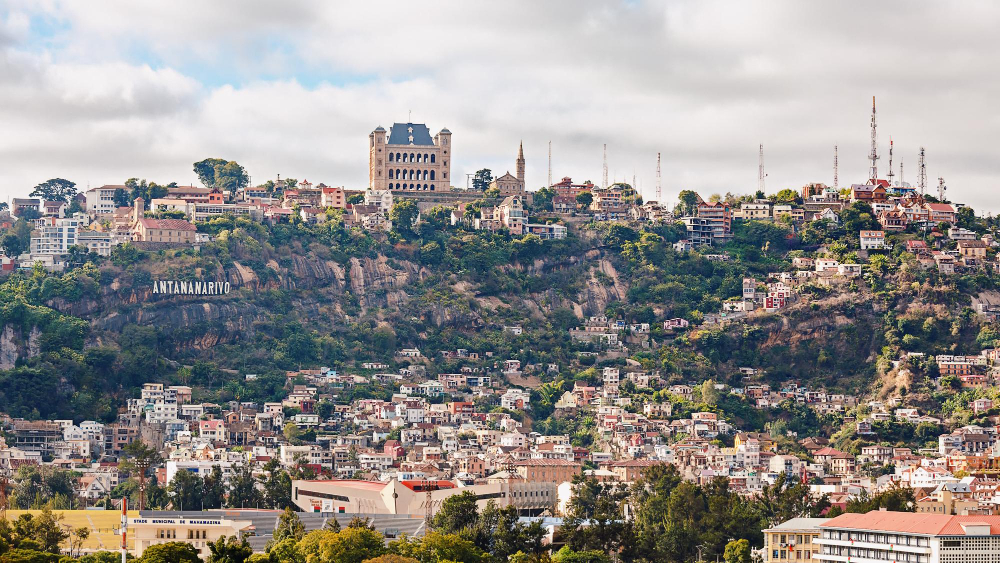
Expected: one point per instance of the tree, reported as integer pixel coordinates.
(289, 526)
(435, 547)
(403, 213)
(205, 169)
(229, 550)
(170, 552)
(138, 459)
(786, 196)
(457, 513)
(12, 245)
(214, 488)
(4, 206)
(186, 491)
(689, 201)
(243, 491)
(356, 199)
(277, 484)
(481, 180)
(55, 189)
(231, 177)
(121, 197)
(788, 498)
(350, 545)
(738, 551)
(584, 199)
(76, 540)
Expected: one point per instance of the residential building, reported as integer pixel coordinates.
(906, 536)
(792, 540)
(101, 201)
(872, 240)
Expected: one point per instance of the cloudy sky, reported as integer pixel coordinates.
(99, 91)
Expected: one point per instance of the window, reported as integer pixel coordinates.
(390, 157)
(432, 159)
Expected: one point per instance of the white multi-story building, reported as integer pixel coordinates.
(907, 537)
(381, 199)
(54, 236)
(101, 201)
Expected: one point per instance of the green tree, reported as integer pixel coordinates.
(289, 526)
(229, 550)
(277, 485)
(738, 551)
(56, 189)
(231, 177)
(689, 201)
(786, 196)
(205, 169)
(350, 545)
(436, 547)
(214, 489)
(137, 459)
(243, 491)
(186, 491)
(170, 552)
(458, 513)
(481, 180)
(584, 199)
(403, 213)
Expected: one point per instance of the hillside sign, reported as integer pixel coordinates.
(175, 287)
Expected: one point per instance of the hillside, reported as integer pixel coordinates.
(308, 296)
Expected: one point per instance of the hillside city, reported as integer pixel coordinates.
(295, 371)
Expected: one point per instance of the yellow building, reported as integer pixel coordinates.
(793, 540)
(199, 532)
(104, 526)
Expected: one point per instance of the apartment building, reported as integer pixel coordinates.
(908, 537)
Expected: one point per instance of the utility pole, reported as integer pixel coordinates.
(604, 183)
(124, 528)
(836, 180)
(873, 154)
(658, 187)
(890, 174)
(549, 185)
(760, 170)
(922, 173)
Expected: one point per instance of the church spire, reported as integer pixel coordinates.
(520, 165)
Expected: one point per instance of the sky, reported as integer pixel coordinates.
(98, 91)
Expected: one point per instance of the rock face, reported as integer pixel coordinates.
(15, 346)
(313, 288)
(8, 348)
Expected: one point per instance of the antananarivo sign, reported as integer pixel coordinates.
(175, 287)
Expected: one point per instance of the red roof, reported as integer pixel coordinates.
(940, 207)
(912, 523)
(167, 224)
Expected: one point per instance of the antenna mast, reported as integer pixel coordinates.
(873, 155)
(658, 187)
(901, 172)
(922, 173)
(941, 189)
(836, 179)
(605, 180)
(890, 174)
(550, 165)
(760, 170)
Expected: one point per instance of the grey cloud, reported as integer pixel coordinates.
(702, 82)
